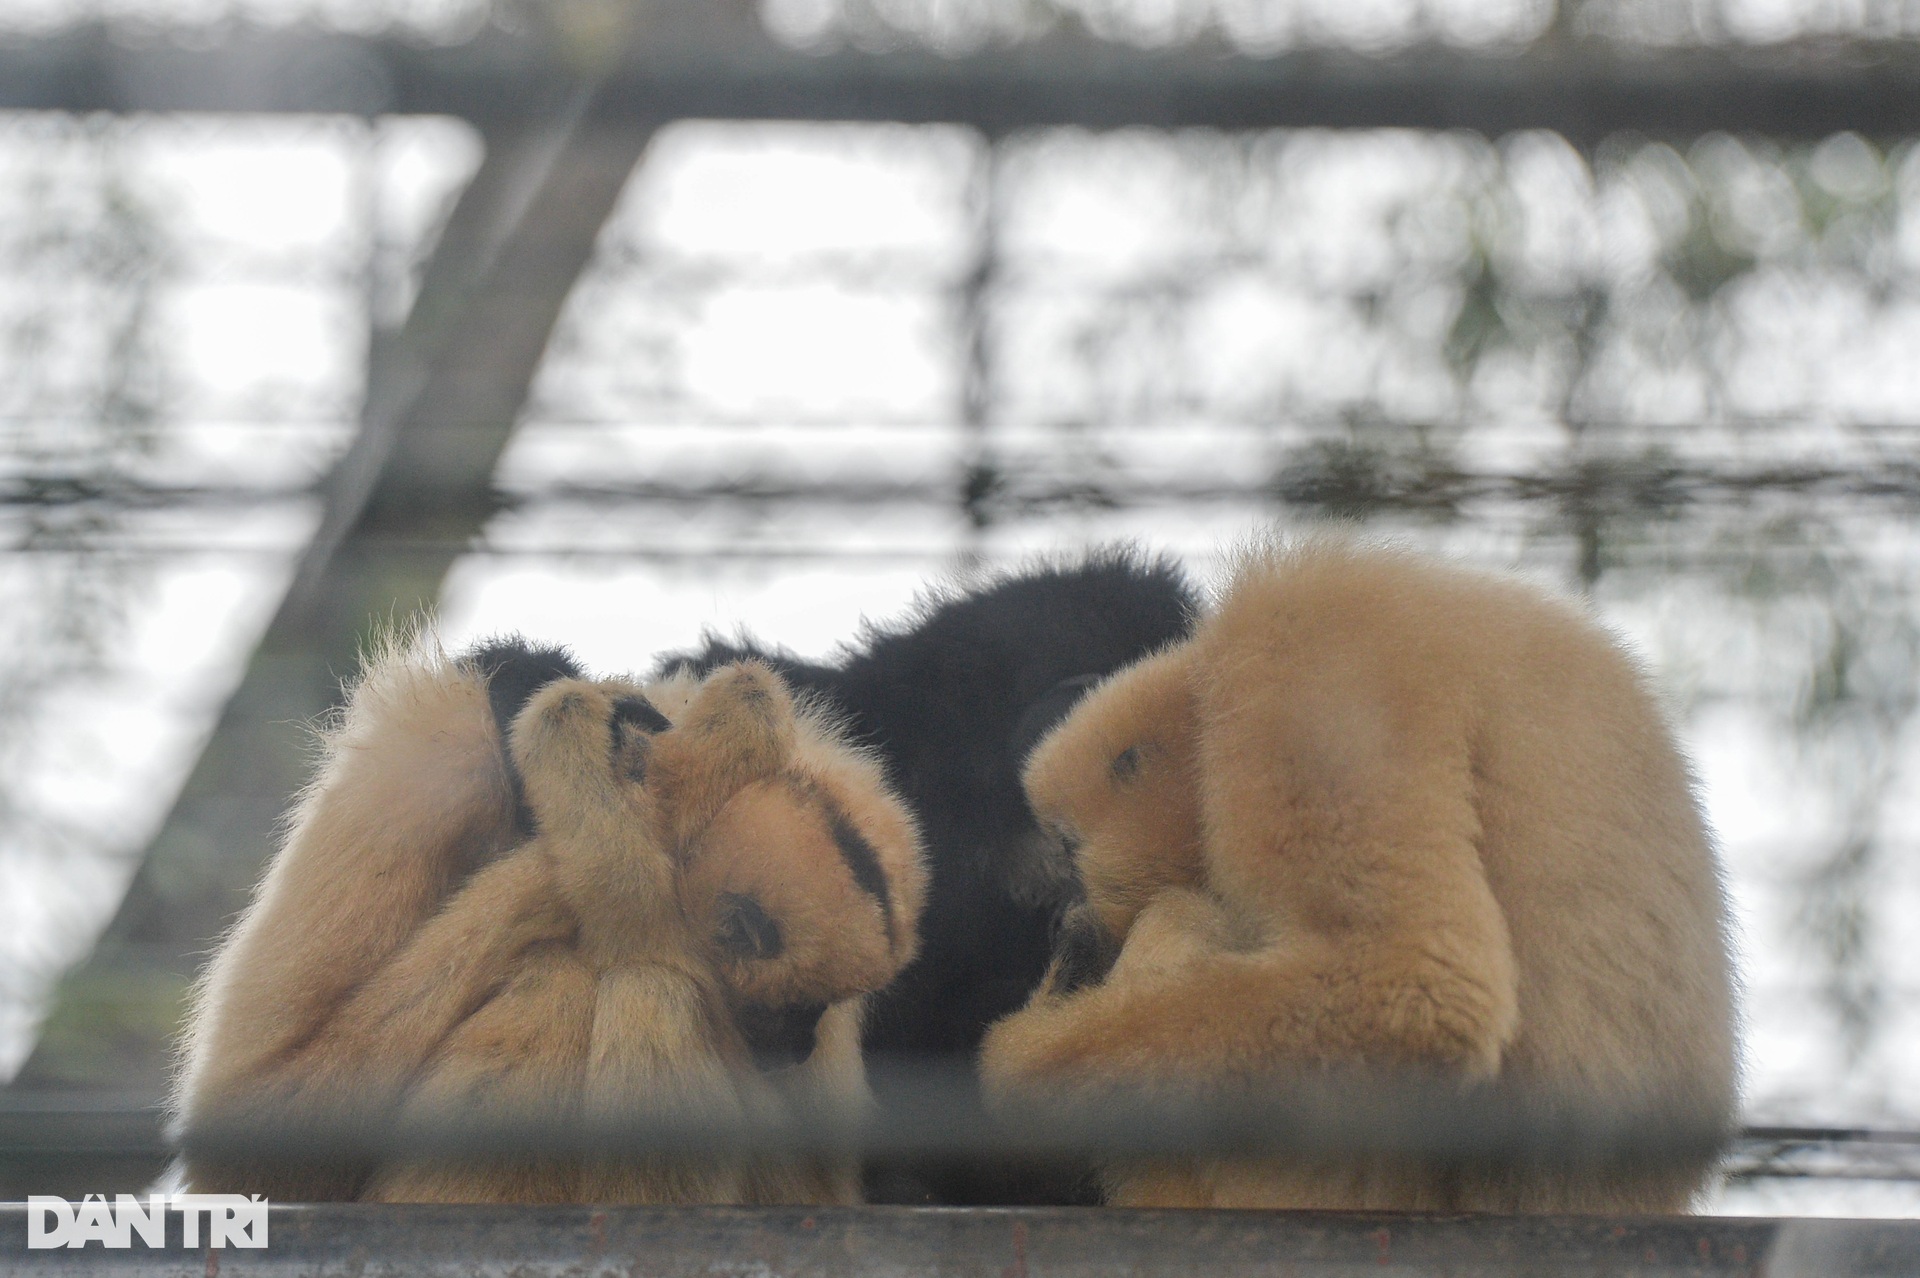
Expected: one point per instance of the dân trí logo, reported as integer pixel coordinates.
(232, 1220)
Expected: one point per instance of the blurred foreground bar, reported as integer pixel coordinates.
(528, 1242)
(699, 58)
(78, 1143)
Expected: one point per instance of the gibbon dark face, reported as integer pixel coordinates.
(746, 932)
(1114, 787)
(779, 1037)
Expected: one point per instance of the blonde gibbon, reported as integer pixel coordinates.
(1384, 816)
(513, 893)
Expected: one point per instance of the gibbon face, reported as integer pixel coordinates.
(1115, 787)
(799, 892)
(807, 891)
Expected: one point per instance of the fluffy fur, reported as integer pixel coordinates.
(952, 700)
(516, 893)
(1383, 813)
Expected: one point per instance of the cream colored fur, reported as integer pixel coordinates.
(404, 957)
(1386, 813)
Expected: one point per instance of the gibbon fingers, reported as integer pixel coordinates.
(1383, 813)
(711, 885)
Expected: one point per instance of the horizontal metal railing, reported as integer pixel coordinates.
(931, 1113)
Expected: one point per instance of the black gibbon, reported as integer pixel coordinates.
(513, 893)
(952, 699)
(1383, 813)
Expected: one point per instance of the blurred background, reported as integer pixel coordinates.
(612, 321)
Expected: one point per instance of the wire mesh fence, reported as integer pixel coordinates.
(810, 367)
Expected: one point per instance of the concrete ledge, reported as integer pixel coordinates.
(531, 1242)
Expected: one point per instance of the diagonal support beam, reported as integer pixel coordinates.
(414, 488)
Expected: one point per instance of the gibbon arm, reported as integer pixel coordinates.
(412, 796)
(520, 1058)
(350, 1074)
(1345, 915)
(1186, 1004)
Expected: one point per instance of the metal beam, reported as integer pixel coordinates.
(708, 59)
(411, 493)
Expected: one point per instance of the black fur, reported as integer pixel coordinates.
(779, 1037)
(746, 929)
(634, 722)
(864, 864)
(638, 712)
(514, 670)
(1044, 715)
(1083, 951)
(954, 700)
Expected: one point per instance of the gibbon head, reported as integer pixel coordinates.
(807, 886)
(801, 872)
(795, 873)
(1114, 787)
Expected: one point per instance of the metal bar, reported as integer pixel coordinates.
(799, 1242)
(931, 1111)
(52, 1141)
(711, 60)
(1389, 480)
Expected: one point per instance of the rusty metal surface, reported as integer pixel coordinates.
(529, 1242)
